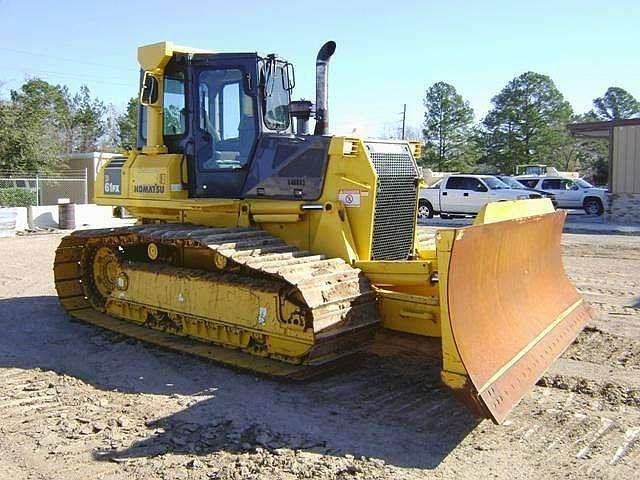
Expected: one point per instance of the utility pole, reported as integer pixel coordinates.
(404, 118)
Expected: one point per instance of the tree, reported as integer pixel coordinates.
(40, 122)
(110, 139)
(616, 104)
(587, 155)
(89, 120)
(81, 120)
(527, 123)
(447, 125)
(412, 133)
(128, 125)
(29, 127)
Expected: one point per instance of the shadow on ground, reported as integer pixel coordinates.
(392, 407)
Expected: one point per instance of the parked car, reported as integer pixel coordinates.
(570, 193)
(514, 183)
(466, 195)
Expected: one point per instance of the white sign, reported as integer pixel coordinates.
(350, 198)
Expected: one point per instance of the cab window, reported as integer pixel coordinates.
(569, 185)
(174, 117)
(476, 185)
(528, 182)
(553, 184)
(457, 183)
(230, 99)
(276, 99)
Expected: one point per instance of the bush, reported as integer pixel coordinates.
(17, 197)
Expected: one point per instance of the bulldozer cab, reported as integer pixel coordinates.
(223, 111)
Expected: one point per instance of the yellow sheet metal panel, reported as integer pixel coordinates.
(404, 272)
(330, 234)
(350, 185)
(408, 313)
(450, 358)
(501, 211)
(155, 57)
(153, 60)
(277, 218)
(416, 149)
(203, 296)
(144, 177)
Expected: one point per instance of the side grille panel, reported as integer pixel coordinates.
(394, 220)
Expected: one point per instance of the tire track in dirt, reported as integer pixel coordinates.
(87, 404)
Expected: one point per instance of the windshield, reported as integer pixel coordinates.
(276, 97)
(494, 184)
(512, 182)
(583, 183)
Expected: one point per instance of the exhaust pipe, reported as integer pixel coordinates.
(322, 87)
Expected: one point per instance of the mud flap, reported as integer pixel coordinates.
(508, 309)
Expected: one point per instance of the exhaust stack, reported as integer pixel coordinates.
(322, 87)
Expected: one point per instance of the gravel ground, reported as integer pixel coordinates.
(77, 402)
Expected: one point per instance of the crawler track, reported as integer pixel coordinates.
(336, 300)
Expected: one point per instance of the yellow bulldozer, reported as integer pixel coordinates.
(285, 252)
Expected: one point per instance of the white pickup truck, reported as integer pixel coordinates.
(466, 195)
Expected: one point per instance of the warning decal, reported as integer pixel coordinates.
(350, 198)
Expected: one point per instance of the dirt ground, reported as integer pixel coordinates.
(77, 402)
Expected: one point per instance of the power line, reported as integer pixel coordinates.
(62, 59)
(76, 76)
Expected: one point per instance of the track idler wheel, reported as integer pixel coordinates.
(103, 274)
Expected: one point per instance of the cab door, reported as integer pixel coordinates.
(463, 195)
(573, 193)
(452, 195)
(225, 123)
(567, 193)
(478, 195)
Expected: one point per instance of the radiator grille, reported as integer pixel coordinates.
(394, 219)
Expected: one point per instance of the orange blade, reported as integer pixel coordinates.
(511, 310)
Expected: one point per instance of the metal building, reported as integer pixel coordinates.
(91, 163)
(624, 164)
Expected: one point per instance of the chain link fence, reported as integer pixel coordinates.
(34, 189)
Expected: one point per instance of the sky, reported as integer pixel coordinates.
(388, 53)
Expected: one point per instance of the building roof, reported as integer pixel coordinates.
(85, 155)
(600, 129)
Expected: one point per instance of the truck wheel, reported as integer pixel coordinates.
(593, 206)
(425, 210)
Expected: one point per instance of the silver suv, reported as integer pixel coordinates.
(569, 192)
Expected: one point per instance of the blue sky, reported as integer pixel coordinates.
(388, 52)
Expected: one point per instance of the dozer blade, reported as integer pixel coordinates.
(510, 306)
